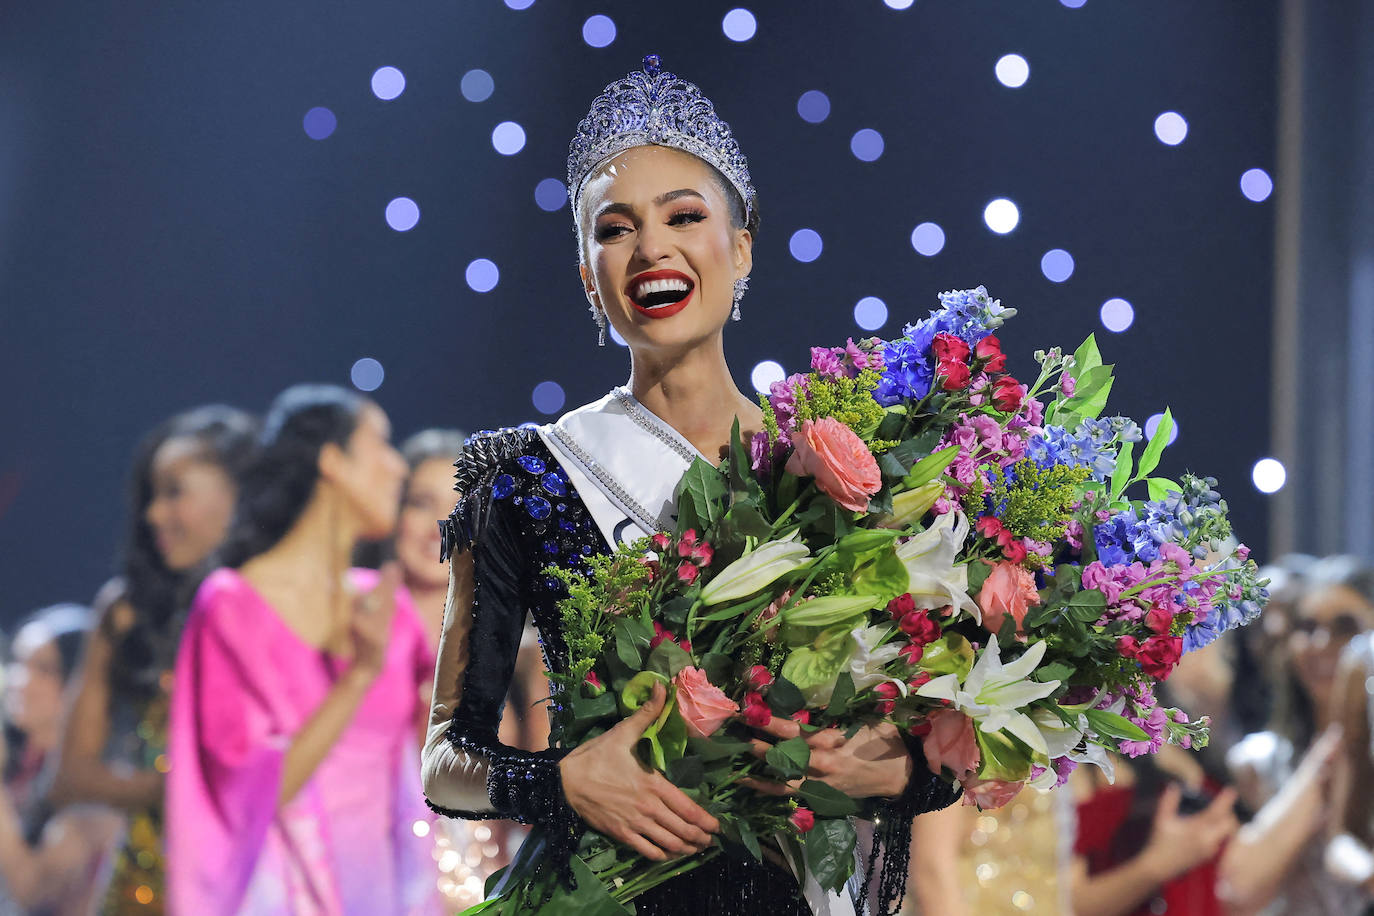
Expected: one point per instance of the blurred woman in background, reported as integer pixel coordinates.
(49, 862)
(294, 784)
(1289, 775)
(182, 490)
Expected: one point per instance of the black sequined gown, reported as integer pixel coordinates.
(519, 514)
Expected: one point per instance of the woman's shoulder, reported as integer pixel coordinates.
(491, 452)
(225, 590)
(493, 472)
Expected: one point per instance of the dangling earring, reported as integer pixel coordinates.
(601, 323)
(740, 286)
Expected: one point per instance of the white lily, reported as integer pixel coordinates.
(1097, 755)
(993, 694)
(871, 656)
(934, 579)
(1060, 739)
(762, 566)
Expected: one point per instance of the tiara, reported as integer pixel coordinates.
(655, 107)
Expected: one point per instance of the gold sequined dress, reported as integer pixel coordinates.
(137, 881)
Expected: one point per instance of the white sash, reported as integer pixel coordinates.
(625, 463)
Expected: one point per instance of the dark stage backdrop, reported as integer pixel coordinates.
(171, 235)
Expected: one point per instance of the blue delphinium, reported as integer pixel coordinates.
(969, 314)
(909, 367)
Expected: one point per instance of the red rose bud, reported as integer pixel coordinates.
(759, 677)
(756, 712)
(802, 716)
(948, 348)
(702, 554)
(956, 376)
(686, 646)
(1007, 394)
(594, 686)
(901, 606)
(687, 572)
(661, 633)
(887, 690)
(1014, 550)
(911, 653)
(920, 627)
(803, 820)
(919, 729)
(886, 708)
(919, 680)
(687, 542)
(990, 349)
(1127, 646)
(1159, 619)
(989, 526)
(660, 541)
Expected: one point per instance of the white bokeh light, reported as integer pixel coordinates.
(805, 245)
(739, 24)
(367, 374)
(388, 83)
(1073, 4)
(598, 31)
(1001, 215)
(1057, 265)
(765, 374)
(508, 138)
(519, 4)
(1117, 315)
(1269, 475)
(1152, 424)
(477, 85)
(482, 275)
(1256, 185)
(867, 145)
(928, 239)
(1171, 128)
(870, 313)
(550, 194)
(813, 106)
(548, 398)
(898, 4)
(402, 214)
(1012, 71)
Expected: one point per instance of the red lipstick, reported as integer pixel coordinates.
(666, 310)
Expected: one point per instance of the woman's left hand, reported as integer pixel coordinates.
(873, 763)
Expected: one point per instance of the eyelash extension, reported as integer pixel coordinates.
(691, 216)
(679, 218)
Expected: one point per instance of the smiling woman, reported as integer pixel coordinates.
(666, 215)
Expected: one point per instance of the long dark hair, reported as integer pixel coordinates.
(281, 480)
(227, 437)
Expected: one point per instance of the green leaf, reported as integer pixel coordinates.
(830, 852)
(1054, 671)
(686, 772)
(749, 840)
(839, 698)
(718, 747)
(703, 487)
(668, 658)
(1111, 725)
(1086, 358)
(631, 641)
(977, 575)
(784, 698)
(1150, 460)
(744, 518)
(826, 800)
(1121, 474)
(1160, 487)
(674, 610)
(789, 758)
(718, 666)
(1087, 605)
(589, 709)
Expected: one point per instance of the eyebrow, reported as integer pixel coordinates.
(660, 200)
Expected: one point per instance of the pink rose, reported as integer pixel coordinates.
(951, 744)
(990, 793)
(803, 819)
(1008, 589)
(844, 468)
(703, 705)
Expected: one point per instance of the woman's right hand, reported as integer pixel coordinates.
(618, 796)
(1181, 842)
(370, 623)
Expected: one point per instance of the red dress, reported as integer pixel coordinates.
(1100, 820)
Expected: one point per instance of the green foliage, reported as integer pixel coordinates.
(1038, 502)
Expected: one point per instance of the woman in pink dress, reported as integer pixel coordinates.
(299, 687)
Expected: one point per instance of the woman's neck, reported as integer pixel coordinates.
(303, 573)
(694, 393)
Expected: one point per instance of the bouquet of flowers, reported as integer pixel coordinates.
(915, 537)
